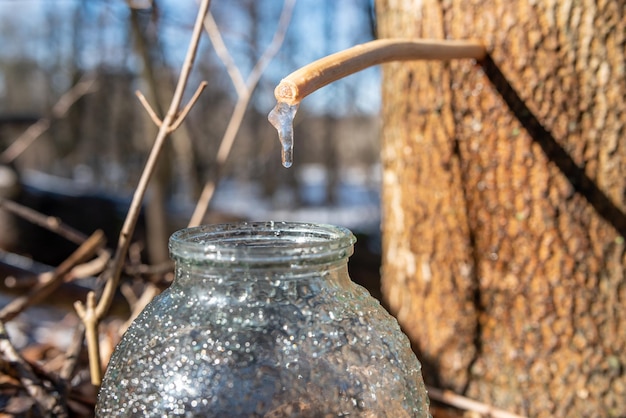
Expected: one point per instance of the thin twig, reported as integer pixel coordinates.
(56, 278)
(84, 86)
(183, 113)
(450, 398)
(155, 215)
(137, 304)
(89, 317)
(203, 201)
(50, 223)
(114, 272)
(147, 70)
(211, 28)
(146, 105)
(73, 354)
(32, 273)
(253, 79)
(89, 268)
(304, 81)
(148, 270)
(274, 47)
(47, 403)
(55, 225)
(244, 95)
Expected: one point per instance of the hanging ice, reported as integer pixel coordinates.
(281, 117)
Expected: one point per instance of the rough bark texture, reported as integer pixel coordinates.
(504, 201)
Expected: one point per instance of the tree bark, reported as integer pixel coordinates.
(504, 201)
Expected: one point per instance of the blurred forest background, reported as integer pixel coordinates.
(84, 168)
(74, 139)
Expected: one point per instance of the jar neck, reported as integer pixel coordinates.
(276, 250)
(218, 280)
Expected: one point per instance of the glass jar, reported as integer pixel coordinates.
(262, 320)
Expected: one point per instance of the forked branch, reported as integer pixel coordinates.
(170, 119)
(244, 94)
(93, 312)
(180, 117)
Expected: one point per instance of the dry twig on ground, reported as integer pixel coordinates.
(50, 223)
(46, 400)
(450, 398)
(53, 279)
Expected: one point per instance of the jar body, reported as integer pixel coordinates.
(263, 340)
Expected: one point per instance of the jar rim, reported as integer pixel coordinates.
(269, 242)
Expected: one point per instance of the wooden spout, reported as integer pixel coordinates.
(304, 81)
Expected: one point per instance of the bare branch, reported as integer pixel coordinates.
(88, 315)
(253, 79)
(146, 105)
(274, 47)
(203, 201)
(112, 274)
(89, 268)
(234, 124)
(222, 52)
(137, 304)
(47, 403)
(84, 86)
(73, 354)
(50, 223)
(450, 398)
(45, 288)
(183, 114)
(146, 270)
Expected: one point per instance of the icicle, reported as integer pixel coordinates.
(281, 117)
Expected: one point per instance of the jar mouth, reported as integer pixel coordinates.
(262, 243)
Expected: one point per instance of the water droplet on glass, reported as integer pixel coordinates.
(281, 118)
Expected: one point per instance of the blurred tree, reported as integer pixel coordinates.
(504, 215)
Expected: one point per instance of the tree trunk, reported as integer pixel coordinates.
(504, 201)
